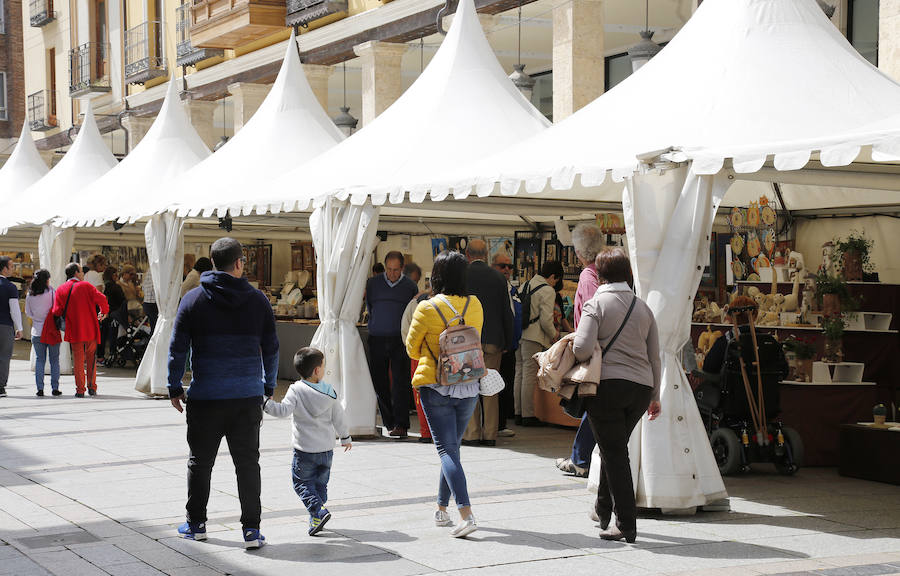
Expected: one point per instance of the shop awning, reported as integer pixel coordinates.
(461, 108)
(23, 168)
(87, 160)
(144, 180)
(288, 129)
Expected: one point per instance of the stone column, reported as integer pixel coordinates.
(137, 127)
(318, 76)
(889, 38)
(247, 99)
(200, 113)
(381, 80)
(578, 64)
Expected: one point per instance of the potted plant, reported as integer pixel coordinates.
(879, 414)
(801, 351)
(833, 327)
(832, 293)
(853, 255)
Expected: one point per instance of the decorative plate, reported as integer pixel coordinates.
(737, 268)
(761, 262)
(303, 278)
(737, 217)
(768, 216)
(753, 215)
(753, 277)
(737, 244)
(769, 240)
(753, 244)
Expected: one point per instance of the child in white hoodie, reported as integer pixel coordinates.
(317, 416)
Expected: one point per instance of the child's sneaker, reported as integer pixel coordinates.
(442, 518)
(317, 522)
(193, 531)
(253, 539)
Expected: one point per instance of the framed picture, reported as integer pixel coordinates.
(458, 243)
(438, 245)
(551, 247)
(527, 257)
(500, 245)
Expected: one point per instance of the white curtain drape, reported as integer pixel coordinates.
(54, 252)
(344, 238)
(668, 218)
(165, 253)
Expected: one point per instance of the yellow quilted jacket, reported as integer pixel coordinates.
(427, 326)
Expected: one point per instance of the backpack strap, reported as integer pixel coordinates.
(441, 314)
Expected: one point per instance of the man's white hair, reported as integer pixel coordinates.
(588, 241)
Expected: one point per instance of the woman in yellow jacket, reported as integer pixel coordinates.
(447, 408)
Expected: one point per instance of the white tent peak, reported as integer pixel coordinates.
(462, 107)
(143, 183)
(745, 80)
(289, 128)
(86, 160)
(23, 168)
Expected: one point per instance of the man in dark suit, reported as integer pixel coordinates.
(489, 286)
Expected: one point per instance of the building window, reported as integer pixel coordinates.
(616, 69)
(862, 28)
(3, 113)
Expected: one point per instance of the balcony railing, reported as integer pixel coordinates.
(41, 12)
(89, 69)
(186, 53)
(302, 12)
(145, 53)
(40, 107)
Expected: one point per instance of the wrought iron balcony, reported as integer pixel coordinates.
(41, 12)
(186, 53)
(41, 106)
(302, 12)
(145, 57)
(89, 70)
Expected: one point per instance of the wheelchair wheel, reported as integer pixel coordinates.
(789, 466)
(727, 449)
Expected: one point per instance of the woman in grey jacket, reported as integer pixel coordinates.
(630, 380)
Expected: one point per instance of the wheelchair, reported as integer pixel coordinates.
(740, 406)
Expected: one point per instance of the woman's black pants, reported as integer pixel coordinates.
(613, 414)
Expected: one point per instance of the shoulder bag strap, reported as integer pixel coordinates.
(619, 331)
(69, 297)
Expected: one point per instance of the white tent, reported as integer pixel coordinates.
(288, 129)
(23, 168)
(86, 160)
(134, 187)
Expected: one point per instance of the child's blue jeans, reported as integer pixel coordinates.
(311, 471)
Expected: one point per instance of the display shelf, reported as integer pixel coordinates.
(788, 283)
(780, 327)
(828, 372)
(798, 383)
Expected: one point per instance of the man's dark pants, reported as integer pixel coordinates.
(507, 395)
(238, 421)
(387, 355)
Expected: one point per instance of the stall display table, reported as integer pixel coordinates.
(547, 409)
(817, 412)
(870, 452)
(295, 334)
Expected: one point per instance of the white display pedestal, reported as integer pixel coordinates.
(838, 372)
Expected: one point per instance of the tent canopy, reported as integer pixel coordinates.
(462, 107)
(144, 180)
(87, 160)
(23, 168)
(289, 128)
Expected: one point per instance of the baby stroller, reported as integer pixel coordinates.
(740, 404)
(131, 342)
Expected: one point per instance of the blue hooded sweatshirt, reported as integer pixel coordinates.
(229, 328)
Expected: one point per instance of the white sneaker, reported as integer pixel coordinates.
(465, 527)
(442, 518)
(506, 433)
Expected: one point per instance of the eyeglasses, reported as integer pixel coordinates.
(503, 265)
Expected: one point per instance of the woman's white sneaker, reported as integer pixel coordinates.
(442, 518)
(465, 527)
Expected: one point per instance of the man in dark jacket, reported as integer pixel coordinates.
(496, 336)
(229, 329)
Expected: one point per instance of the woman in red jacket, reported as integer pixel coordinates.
(77, 303)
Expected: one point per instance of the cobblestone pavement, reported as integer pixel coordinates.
(96, 486)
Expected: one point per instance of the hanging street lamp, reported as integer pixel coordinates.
(519, 77)
(643, 51)
(345, 121)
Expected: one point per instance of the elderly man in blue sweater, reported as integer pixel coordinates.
(229, 329)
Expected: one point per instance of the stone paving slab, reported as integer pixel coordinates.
(97, 486)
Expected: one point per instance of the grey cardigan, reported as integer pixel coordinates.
(635, 354)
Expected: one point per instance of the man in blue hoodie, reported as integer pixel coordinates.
(229, 329)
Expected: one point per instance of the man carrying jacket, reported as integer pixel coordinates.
(229, 329)
(77, 302)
